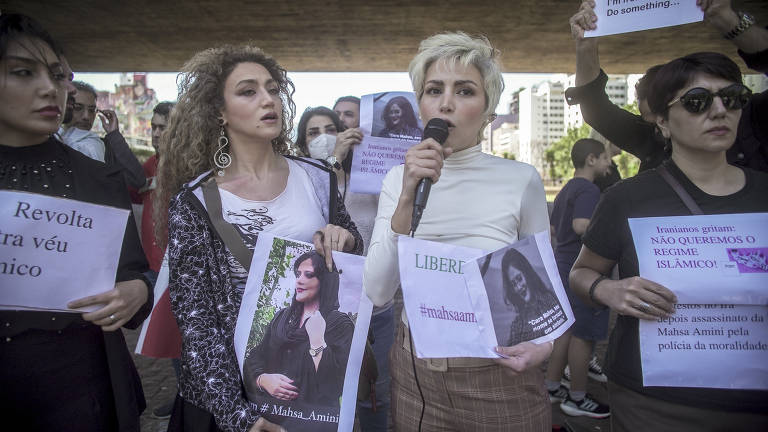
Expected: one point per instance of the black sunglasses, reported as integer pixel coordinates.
(698, 100)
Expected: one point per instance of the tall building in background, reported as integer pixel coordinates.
(502, 137)
(620, 90)
(542, 121)
(539, 116)
(133, 102)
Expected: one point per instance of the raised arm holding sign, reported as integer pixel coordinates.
(637, 134)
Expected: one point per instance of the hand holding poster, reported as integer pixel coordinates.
(57, 249)
(390, 127)
(624, 16)
(300, 335)
(706, 259)
(459, 305)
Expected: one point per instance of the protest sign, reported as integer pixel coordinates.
(707, 345)
(624, 16)
(160, 336)
(299, 368)
(443, 318)
(55, 250)
(461, 302)
(527, 298)
(706, 259)
(390, 127)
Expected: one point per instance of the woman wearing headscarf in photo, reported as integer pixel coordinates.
(698, 100)
(306, 344)
(63, 371)
(224, 148)
(527, 293)
(400, 120)
(478, 201)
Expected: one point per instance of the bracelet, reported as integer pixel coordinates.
(593, 286)
(258, 383)
(745, 22)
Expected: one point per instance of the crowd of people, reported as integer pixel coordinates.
(223, 151)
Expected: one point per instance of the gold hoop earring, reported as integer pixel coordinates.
(221, 158)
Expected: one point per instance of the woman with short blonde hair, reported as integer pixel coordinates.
(478, 201)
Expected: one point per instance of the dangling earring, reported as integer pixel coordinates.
(221, 158)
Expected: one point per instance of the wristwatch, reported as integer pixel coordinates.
(333, 161)
(314, 352)
(745, 22)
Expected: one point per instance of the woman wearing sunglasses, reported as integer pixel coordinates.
(698, 100)
(637, 134)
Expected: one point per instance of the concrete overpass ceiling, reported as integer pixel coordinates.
(346, 35)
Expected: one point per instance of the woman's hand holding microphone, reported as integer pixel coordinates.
(424, 160)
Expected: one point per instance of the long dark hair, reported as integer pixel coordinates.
(408, 118)
(513, 258)
(328, 287)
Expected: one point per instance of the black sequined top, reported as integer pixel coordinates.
(43, 168)
(48, 357)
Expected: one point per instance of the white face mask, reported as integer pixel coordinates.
(322, 146)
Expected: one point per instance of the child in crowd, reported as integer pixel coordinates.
(571, 213)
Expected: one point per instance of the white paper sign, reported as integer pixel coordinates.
(55, 250)
(706, 259)
(270, 290)
(390, 126)
(527, 298)
(447, 316)
(463, 303)
(624, 16)
(716, 346)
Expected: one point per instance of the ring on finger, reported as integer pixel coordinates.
(112, 318)
(644, 307)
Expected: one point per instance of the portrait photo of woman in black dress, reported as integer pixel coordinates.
(303, 355)
(400, 120)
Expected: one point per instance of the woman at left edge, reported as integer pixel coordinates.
(63, 371)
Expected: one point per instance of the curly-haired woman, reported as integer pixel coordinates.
(227, 135)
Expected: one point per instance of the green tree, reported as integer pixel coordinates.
(279, 262)
(558, 155)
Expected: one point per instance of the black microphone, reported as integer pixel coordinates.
(437, 129)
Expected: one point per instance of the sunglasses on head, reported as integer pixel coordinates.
(698, 100)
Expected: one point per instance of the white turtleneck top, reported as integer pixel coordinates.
(481, 201)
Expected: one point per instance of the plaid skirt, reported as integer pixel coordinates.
(483, 398)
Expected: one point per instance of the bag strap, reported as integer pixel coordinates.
(679, 190)
(226, 231)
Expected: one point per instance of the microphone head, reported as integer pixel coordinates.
(437, 129)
